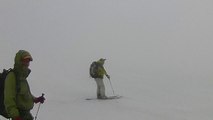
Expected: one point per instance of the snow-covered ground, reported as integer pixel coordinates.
(159, 56)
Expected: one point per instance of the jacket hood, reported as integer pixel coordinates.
(101, 61)
(18, 67)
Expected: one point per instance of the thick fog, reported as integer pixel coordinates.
(168, 42)
(171, 39)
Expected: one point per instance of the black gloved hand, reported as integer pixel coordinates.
(39, 99)
(108, 76)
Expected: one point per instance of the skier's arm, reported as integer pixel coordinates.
(106, 73)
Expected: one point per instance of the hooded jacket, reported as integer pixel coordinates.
(17, 95)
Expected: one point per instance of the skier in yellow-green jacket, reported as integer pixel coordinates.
(18, 98)
(100, 72)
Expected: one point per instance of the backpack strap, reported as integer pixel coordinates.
(18, 87)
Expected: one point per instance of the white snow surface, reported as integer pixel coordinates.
(159, 56)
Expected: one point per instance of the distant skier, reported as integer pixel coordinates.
(97, 71)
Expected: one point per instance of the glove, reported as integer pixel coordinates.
(39, 99)
(17, 118)
(108, 76)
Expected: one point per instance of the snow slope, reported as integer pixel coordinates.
(159, 56)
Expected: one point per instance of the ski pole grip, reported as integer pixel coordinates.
(42, 95)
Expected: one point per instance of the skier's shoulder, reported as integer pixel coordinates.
(11, 75)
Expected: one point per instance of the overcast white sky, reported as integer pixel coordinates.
(158, 52)
(154, 36)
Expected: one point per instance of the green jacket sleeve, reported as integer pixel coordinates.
(101, 71)
(10, 95)
(104, 71)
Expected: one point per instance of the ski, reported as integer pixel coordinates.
(108, 98)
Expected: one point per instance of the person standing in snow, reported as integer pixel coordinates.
(18, 99)
(97, 71)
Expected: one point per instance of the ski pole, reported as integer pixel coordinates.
(111, 86)
(38, 108)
